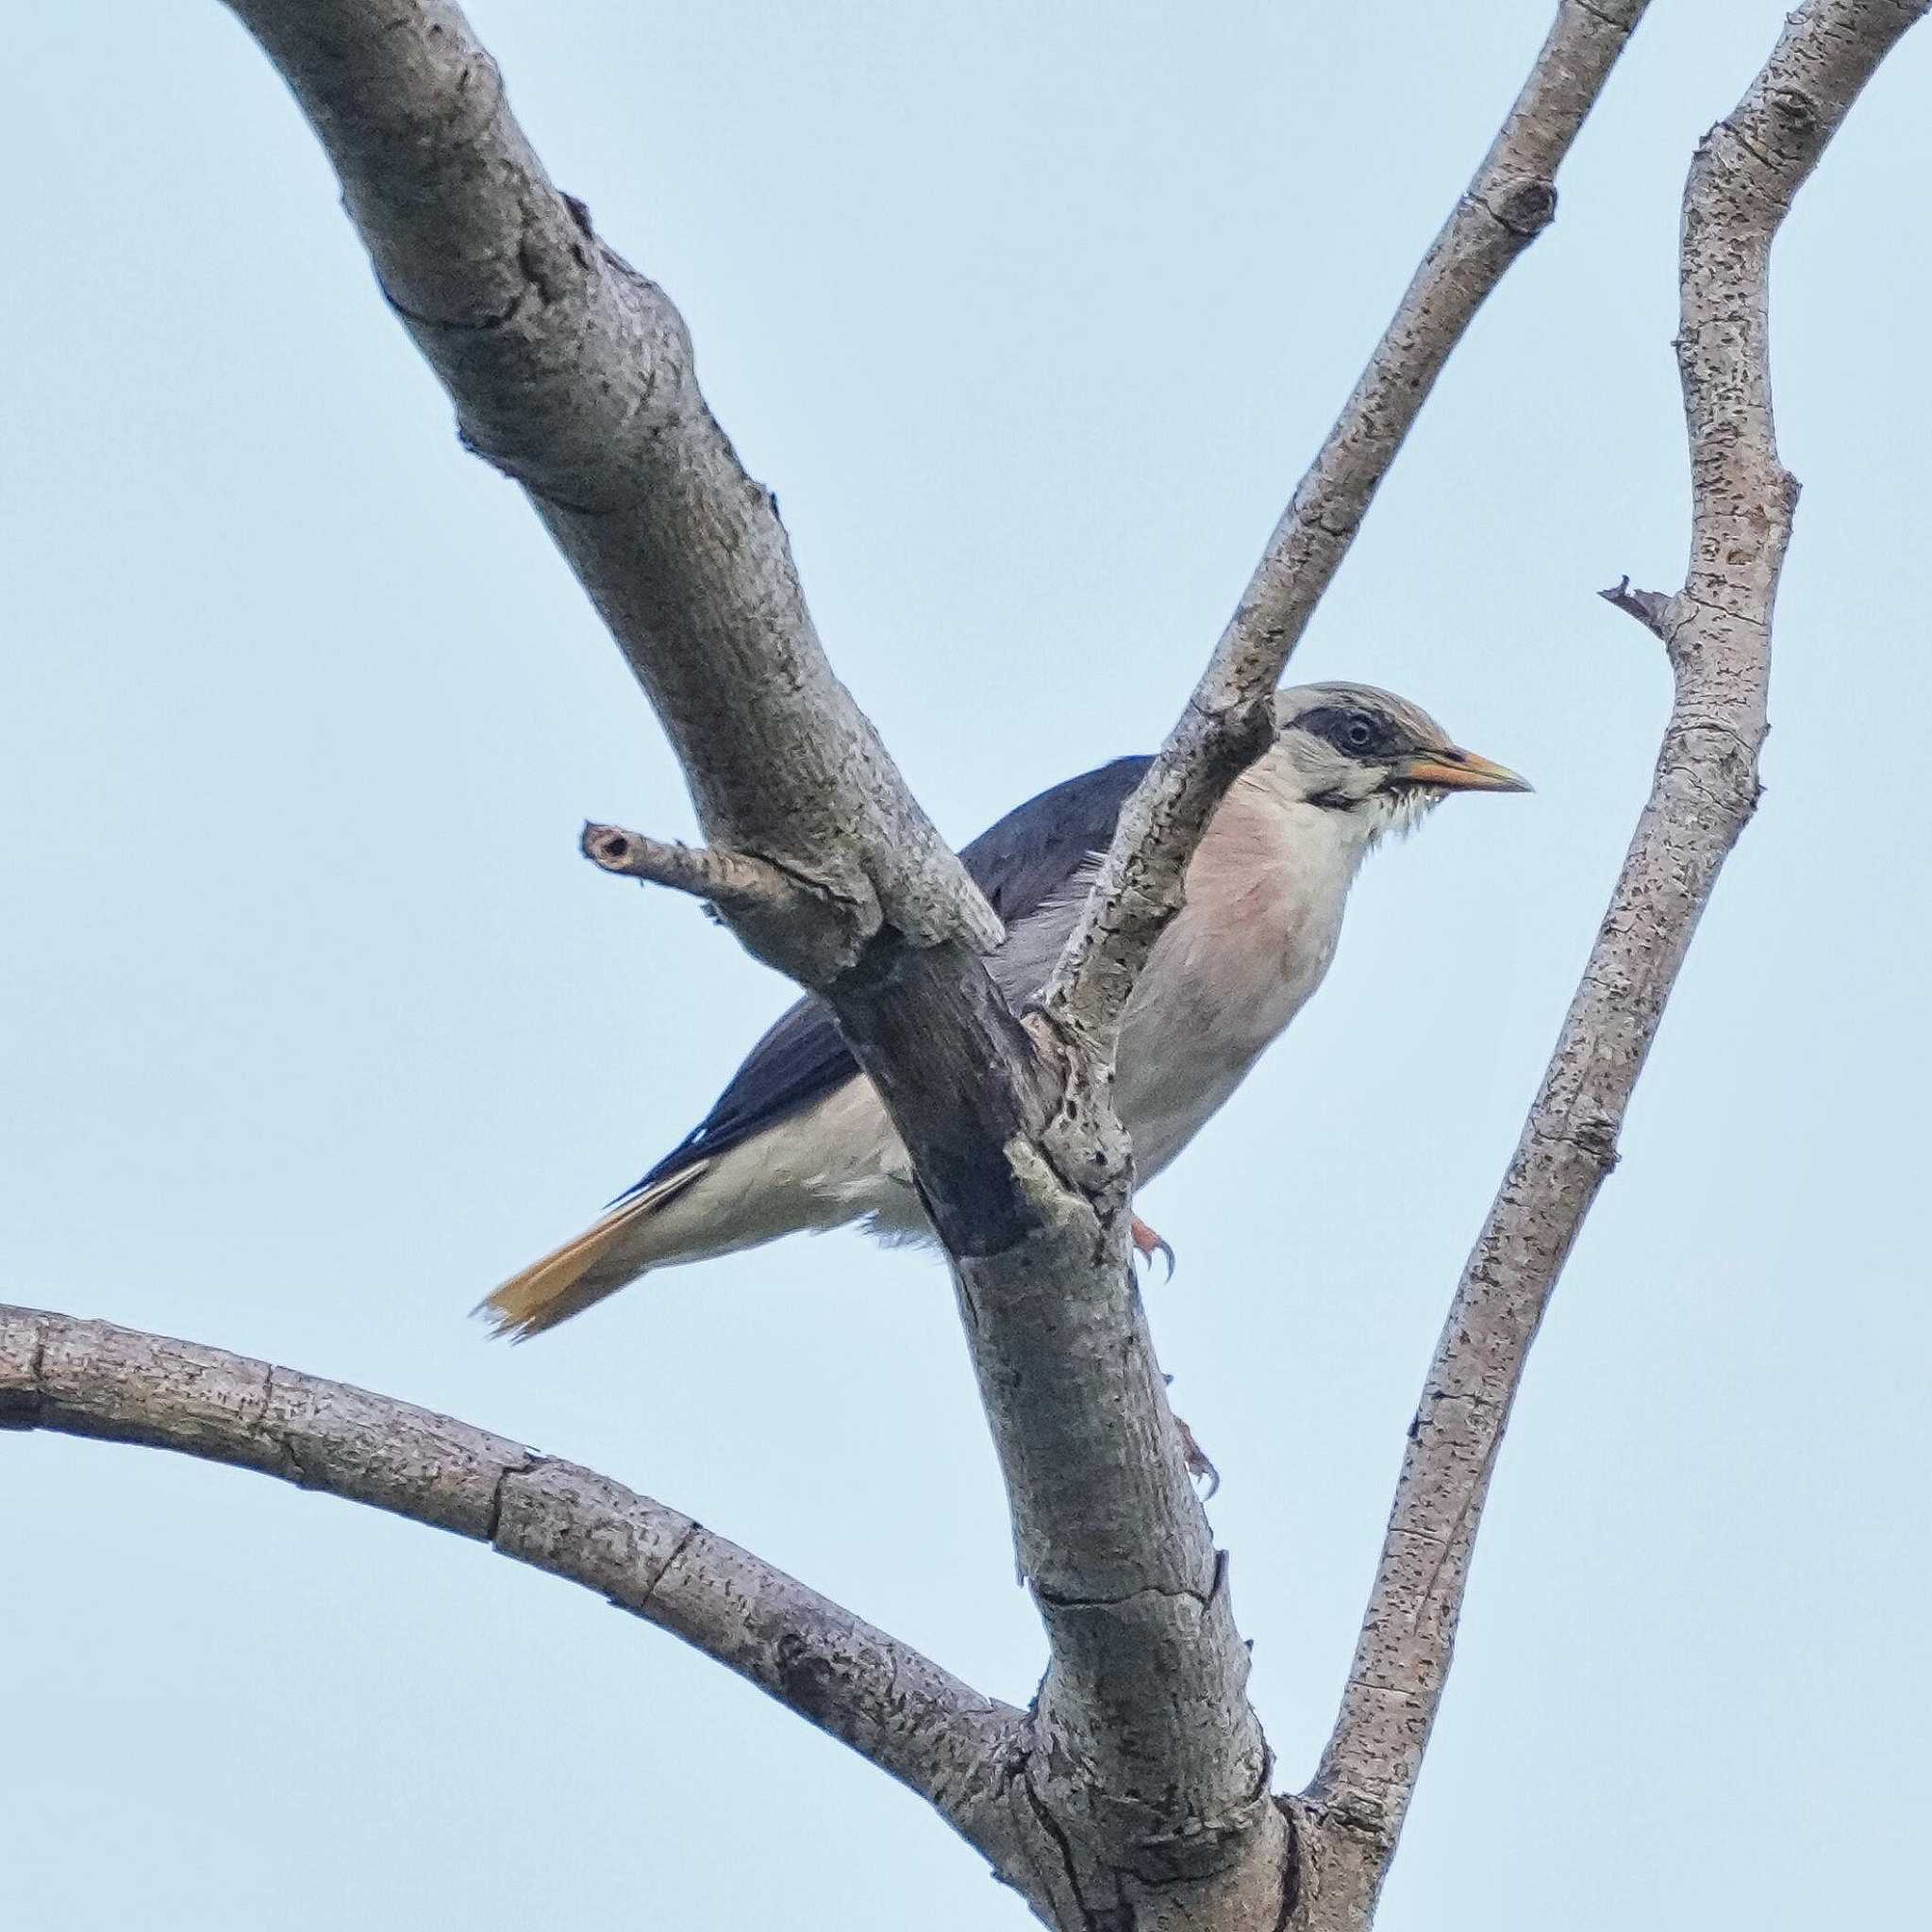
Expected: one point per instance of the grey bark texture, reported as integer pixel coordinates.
(895, 1707)
(1137, 1793)
(574, 375)
(1717, 633)
(751, 888)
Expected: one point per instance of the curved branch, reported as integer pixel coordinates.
(1509, 202)
(1717, 631)
(893, 1707)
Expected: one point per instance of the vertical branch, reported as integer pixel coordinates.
(1717, 632)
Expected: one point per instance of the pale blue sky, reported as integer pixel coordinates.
(1031, 317)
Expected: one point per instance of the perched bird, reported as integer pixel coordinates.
(800, 1139)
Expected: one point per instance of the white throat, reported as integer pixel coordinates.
(1357, 829)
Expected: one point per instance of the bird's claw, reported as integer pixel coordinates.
(1147, 1244)
(1199, 1467)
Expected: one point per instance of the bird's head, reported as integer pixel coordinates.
(1350, 748)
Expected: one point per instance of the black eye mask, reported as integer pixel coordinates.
(1355, 734)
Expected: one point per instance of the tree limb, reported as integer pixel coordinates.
(1512, 199)
(1043, 1326)
(1717, 631)
(896, 1708)
(574, 375)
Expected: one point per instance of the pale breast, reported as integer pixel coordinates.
(1265, 896)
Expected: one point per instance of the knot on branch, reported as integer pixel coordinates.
(1595, 1137)
(1526, 205)
(1796, 113)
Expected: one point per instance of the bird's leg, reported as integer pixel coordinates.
(1147, 1244)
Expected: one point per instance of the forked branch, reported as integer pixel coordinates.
(572, 374)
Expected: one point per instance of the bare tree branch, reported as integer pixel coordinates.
(1717, 630)
(1147, 1681)
(893, 1707)
(574, 375)
(733, 881)
(1509, 202)
(1149, 1780)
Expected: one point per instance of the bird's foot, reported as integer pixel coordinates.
(1147, 1244)
(1198, 1465)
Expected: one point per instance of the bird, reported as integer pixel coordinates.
(799, 1139)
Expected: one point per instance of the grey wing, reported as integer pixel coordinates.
(1026, 860)
(1033, 854)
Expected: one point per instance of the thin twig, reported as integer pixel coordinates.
(1718, 634)
(1651, 609)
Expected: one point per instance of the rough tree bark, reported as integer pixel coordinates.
(1717, 633)
(936, 1734)
(1137, 1791)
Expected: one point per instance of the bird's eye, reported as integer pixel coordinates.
(1355, 734)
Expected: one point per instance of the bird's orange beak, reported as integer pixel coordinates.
(1455, 770)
